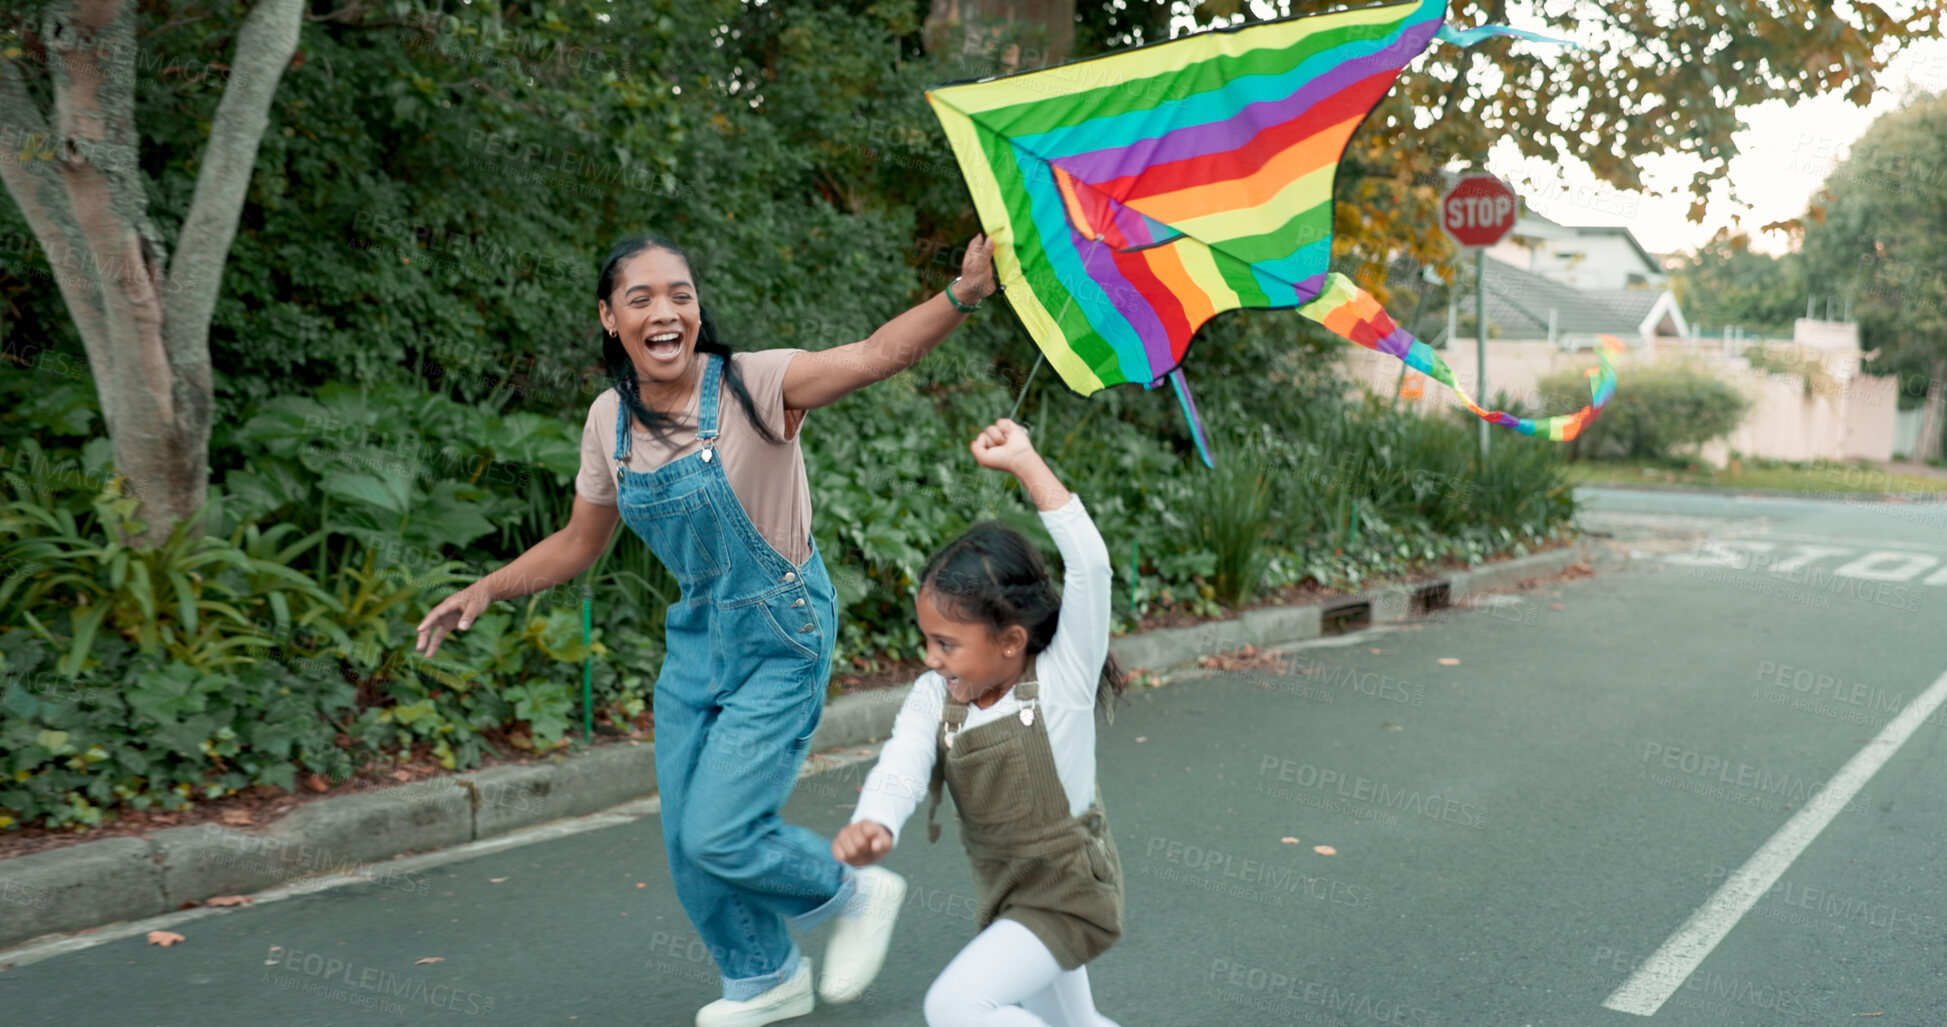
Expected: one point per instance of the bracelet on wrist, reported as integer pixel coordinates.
(955, 300)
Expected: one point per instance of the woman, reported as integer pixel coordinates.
(713, 480)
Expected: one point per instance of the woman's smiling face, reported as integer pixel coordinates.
(655, 312)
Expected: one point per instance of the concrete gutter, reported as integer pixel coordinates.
(128, 878)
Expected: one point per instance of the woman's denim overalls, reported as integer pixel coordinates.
(740, 692)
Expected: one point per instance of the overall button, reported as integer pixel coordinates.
(790, 575)
(795, 603)
(807, 627)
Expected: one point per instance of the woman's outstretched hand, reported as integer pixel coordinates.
(977, 270)
(457, 610)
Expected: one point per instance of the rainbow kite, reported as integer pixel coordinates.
(1133, 197)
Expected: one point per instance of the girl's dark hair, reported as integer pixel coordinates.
(992, 576)
(621, 370)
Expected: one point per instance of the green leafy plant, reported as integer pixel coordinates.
(1660, 407)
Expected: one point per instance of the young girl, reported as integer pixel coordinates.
(1005, 717)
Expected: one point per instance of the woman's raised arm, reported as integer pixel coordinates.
(827, 376)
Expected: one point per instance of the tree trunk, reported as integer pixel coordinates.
(142, 317)
(1006, 35)
(1933, 417)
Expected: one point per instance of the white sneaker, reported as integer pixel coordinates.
(792, 998)
(861, 935)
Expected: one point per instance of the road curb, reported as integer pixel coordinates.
(1835, 496)
(120, 879)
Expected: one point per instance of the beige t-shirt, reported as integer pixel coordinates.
(768, 478)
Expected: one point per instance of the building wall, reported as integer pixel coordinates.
(1783, 423)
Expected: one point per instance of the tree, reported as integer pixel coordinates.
(1879, 230)
(73, 168)
(1724, 283)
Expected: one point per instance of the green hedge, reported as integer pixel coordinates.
(1656, 409)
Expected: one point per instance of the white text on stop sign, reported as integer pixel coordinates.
(1478, 211)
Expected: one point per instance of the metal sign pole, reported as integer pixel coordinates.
(1480, 340)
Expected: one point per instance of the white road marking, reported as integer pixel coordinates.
(1867, 566)
(1886, 564)
(1807, 554)
(1665, 971)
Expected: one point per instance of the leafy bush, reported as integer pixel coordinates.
(1656, 409)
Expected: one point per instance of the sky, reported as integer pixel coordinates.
(1785, 153)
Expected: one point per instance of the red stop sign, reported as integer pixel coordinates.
(1478, 211)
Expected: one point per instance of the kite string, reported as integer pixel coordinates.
(1039, 355)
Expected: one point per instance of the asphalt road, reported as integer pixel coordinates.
(1516, 834)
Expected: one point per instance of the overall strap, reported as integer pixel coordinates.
(621, 432)
(952, 714)
(706, 420)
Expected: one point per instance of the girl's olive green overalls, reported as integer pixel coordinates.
(1056, 874)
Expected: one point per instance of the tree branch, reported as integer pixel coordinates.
(28, 171)
(264, 48)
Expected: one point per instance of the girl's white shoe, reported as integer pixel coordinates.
(792, 998)
(861, 934)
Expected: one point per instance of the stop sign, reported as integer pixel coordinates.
(1478, 211)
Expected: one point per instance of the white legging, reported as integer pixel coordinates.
(1006, 977)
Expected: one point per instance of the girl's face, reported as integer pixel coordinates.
(654, 310)
(975, 660)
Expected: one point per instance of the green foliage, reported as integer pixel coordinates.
(1233, 517)
(1873, 236)
(1724, 283)
(1662, 407)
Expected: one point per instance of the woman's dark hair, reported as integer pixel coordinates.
(621, 370)
(992, 576)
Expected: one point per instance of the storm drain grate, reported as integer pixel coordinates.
(1345, 618)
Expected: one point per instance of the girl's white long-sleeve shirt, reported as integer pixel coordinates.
(1069, 670)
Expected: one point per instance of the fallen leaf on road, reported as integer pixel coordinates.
(639, 884)
(1247, 658)
(1325, 850)
(1142, 738)
(1448, 661)
(1373, 651)
(402, 775)
(230, 900)
(429, 959)
(1556, 606)
(318, 783)
(495, 880)
(165, 938)
(238, 817)
(1289, 841)
(1390, 726)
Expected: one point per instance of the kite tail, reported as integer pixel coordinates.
(1468, 37)
(1190, 415)
(1350, 312)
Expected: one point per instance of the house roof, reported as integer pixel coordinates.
(1633, 304)
(1518, 304)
